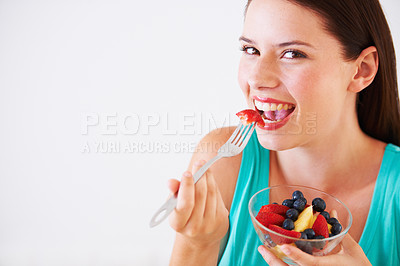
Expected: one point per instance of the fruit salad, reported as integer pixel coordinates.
(297, 219)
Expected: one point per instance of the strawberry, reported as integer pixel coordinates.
(267, 218)
(249, 116)
(279, 240)
(320, 226)
(275, 208)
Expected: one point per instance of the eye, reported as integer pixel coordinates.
(249, 50)
(293, 54)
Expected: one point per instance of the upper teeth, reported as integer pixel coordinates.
(272, 106)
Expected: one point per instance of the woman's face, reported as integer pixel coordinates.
(294, 73)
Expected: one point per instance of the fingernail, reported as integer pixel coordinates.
(199, 163)
(187, 174)
(285, 249)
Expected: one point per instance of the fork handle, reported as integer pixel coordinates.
(170, 204)
(205, 167)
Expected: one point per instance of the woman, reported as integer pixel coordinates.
(334, 63)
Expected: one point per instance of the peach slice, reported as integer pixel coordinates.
(304, 220)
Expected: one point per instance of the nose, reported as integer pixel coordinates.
(264, 74)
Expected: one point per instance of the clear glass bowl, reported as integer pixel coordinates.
(272, 240)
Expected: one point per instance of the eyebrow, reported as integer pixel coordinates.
(245, 39)
(284, 44)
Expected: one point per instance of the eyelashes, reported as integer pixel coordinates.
(292, 54)
(286, 54)
(248, 50)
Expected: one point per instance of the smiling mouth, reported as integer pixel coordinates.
(273, 112)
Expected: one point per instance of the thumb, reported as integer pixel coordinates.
(270, 257)
(297, 255)
(349, 244)
(173, 185)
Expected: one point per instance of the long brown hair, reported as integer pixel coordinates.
(359, 24)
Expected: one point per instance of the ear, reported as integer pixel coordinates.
(366, 68)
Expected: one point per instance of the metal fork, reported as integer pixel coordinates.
(232, 147)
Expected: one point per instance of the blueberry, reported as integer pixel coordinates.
(320, 244)
(299, 205)
(332, 221)
(303, 235)
(336, 228)
(304, 199)
(310, 233)
(297, 195)
(288, 203)
(288, 224)
(292, 214)
(274, 203)
(326, 215)
(318, 204)
(330, 235)
(304, 246)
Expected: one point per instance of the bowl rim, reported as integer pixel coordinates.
(344, 231)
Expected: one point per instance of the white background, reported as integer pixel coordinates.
(76, 74)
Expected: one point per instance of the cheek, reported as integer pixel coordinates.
(302, 85)
(243, 77)
(311, 87)
(320, 96)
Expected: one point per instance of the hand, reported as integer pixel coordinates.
(200, 215)
(350, 253)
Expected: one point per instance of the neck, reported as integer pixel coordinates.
(332, 163)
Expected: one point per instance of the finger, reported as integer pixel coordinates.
(221, 210)
(212, 199)
(173, 185)
(269, 257)
(337, 250)
(220, 202)
(197, 165)
(222, 213)
(297, 255)
(184, 206)
(186, 195)
(347, 242)
(200, 195)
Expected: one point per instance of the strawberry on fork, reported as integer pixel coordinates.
(249, 116)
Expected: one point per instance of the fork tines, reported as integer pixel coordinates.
(240, 134)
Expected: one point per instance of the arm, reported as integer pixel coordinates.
(201, 216)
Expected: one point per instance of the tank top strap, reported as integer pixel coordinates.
(383, 222)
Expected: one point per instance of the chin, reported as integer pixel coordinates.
(275, 141)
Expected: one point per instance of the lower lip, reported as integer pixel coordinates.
(276, 125)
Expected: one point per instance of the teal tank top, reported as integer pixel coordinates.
(380, 239)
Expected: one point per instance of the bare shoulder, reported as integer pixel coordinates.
(225, 170)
